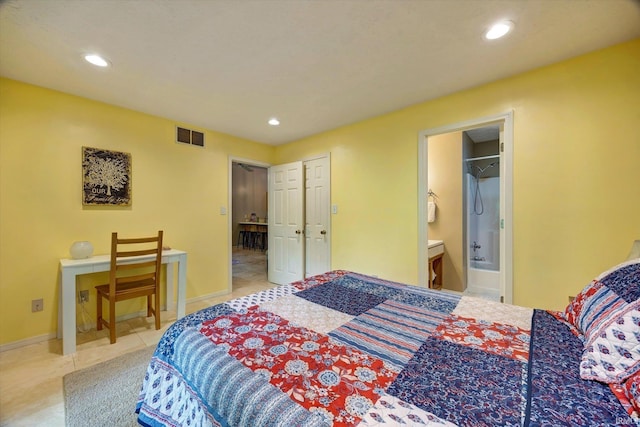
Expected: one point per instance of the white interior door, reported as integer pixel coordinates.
(505, 290)
(286, 223)
(317, 216)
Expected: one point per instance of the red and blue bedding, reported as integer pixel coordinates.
(346, 349)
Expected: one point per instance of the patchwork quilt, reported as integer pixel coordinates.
(345, 349)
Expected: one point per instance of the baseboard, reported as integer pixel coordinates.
(141, 313)
(53, 335)
(203, 297)
(27, 341)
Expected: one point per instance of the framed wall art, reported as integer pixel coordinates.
(106, 177)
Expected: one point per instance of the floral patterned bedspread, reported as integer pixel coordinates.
(346, 349)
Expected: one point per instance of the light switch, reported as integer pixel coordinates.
(223, 210)
(334, 209)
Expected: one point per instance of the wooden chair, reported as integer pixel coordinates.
(131, 277)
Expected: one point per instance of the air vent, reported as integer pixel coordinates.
(188, 136)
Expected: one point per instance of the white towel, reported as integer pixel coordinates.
(431, 212)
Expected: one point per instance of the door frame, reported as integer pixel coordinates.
(506, 208)
(231, 161)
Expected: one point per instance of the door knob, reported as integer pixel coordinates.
(323, 232)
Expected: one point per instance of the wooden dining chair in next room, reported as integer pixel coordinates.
(134, 273)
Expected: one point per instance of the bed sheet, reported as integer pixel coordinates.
(346, 349)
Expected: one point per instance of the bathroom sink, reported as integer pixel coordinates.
(436, 247)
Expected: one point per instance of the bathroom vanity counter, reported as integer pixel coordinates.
(436, 252)
(435, 247)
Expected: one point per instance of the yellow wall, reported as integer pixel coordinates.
(576, 174)
(445, 180)
(374, 185)
(576, 193)
(177, 188)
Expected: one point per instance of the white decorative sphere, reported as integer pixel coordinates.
(80, 250)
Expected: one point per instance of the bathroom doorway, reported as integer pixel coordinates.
(465, 195)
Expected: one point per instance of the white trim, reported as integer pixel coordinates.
(506, 253)
(317, 156)
(204, 297)
(128, 316)
(53, 335)
(506, 261)
(27, 341)
(423, 244)
(248, 162)
(143, 313)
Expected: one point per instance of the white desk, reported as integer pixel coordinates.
(70, 268)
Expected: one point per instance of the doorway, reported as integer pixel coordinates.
(248, 224)
(298, 240)
(299, 219)
(503, 166)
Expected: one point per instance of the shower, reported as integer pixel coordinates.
(482, 218)
(478, 204)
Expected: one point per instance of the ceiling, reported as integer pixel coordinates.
(484, 134)
(316, 65)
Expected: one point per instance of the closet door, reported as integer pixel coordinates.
(286, 223)
(317, 216)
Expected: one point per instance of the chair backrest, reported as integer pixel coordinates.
(135, 260)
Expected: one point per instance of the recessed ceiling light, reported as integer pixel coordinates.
(273, 121)
(499, 30)
(97, 60)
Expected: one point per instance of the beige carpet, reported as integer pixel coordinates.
(106, 394)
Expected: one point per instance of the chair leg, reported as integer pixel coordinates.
(149, 306)
(99, 311)
(156, 299)
(112, 320)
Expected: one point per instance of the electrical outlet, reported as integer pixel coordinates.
(83, 296)
(37, 305)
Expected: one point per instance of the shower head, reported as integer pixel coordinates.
(491, 165)
(481, 170)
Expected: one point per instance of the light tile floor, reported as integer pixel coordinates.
(31, 376)
(490, 294)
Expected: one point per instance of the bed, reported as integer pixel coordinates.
(347, 349)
